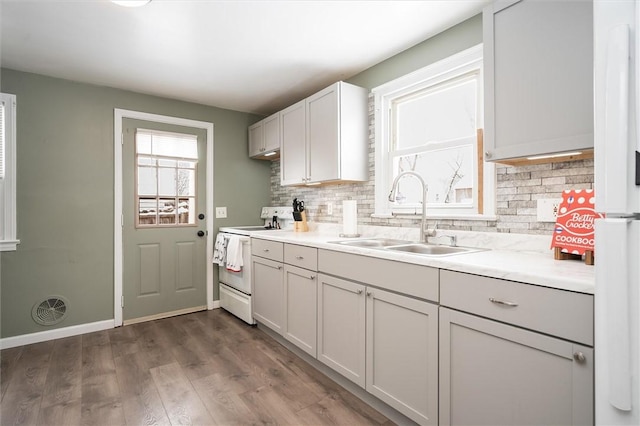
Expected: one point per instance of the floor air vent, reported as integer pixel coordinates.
(50, 311)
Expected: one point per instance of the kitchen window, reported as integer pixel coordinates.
(165, 178)
(8, 239)
(430, 122)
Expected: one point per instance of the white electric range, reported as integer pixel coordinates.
(235, 286)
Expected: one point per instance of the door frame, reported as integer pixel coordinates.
(118, 215)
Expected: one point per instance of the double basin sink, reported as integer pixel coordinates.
(424, 249)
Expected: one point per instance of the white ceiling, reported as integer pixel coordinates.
(253, 56)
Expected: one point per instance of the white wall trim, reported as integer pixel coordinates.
(119, 115)
(58, 333)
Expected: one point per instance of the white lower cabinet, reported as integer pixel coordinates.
(402, 354)
(497, 374)
(268, 293)
(385, 342)
(300, 302)
(341, 327)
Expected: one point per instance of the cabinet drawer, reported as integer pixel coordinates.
(412, 280)
(269, 249)
(301, 256)
(556, 312)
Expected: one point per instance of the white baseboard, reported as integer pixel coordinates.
(58, 333)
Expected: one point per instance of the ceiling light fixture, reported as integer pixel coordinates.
(131, 3)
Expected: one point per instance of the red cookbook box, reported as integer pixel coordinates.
(575, 225)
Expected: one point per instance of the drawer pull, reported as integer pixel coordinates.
(265, 250)
(299, 257)
(359, 291)
(279, 267)
(503, 302)
(579, 357)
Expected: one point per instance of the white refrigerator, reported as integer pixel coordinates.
(617, 190)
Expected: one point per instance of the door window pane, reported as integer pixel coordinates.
(166, 178)
(166, 181)
(147, 182)
(186, 182)
(167, 211)
(147, 211)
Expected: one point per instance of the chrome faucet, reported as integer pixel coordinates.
(392, 198)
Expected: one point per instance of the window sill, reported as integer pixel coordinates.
(9, 245)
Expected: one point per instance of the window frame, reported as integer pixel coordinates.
(453, 67)
(8, 222)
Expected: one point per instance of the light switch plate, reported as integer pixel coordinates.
(221, 212)
(548, 209)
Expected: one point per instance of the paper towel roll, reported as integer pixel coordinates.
(350, 217)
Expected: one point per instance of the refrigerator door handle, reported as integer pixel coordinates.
(612, 278)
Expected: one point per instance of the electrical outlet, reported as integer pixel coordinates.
(330, 209)
(548, 209)
(221, 212)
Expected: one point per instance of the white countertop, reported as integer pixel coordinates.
(532, 267)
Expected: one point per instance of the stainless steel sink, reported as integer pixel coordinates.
(431, 250)
(422, 249)
(372, 242)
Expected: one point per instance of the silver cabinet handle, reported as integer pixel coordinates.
(312, 277)
(359, 291)
(369, 294)
(279, 267)
(503, 302)
(579, 357)
(299, 257)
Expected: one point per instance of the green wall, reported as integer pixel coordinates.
(455, 39)
(65, 192)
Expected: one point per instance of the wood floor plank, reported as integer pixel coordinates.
(155, 345)
(270, 407)
(64, 378)
(180, 400)
(97, 338)
(64, 413)
(223, 402)
(140, 397)
(21, 404)
(123, 341)
(101, 401)
(8, 360)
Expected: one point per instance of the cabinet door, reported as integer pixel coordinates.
(341, 327)
(271, 126)
(293, 152)
(492, 373)
(256, 136)
(402, 354)
(323, 137)
(300, 301)
(268, 297)
(538, 63)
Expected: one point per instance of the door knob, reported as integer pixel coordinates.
(201, 216)
(200, 233)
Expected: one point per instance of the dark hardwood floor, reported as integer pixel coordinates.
(206, 368)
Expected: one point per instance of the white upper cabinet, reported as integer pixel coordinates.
(264, 138)
(324, 137)
(538, 68)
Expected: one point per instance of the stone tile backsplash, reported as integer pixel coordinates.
(517, 192)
